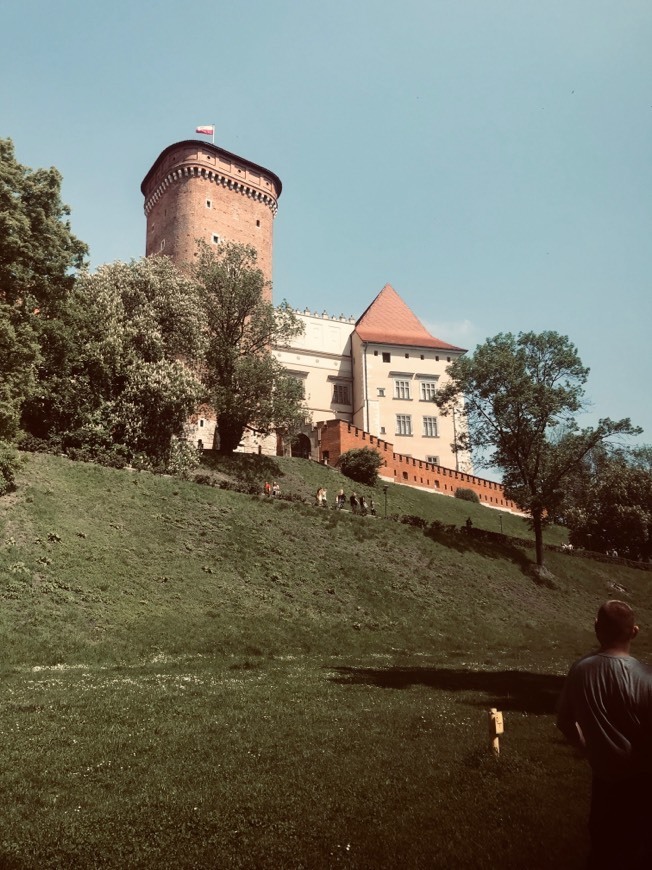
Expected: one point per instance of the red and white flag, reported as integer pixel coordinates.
(207, 130)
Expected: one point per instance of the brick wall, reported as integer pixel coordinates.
(337, 436)
(194, 192)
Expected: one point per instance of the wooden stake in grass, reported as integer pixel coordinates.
(495, 729)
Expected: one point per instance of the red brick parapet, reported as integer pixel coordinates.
(337, 436)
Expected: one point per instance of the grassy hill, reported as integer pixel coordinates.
(99, 564)
(196, 678)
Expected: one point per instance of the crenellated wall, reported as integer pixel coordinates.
(335, 437)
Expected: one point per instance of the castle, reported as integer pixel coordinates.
(366, 382)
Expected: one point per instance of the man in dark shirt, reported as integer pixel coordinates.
(606, 711)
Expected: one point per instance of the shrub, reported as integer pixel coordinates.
(32, 444)
(9, 463)
(361, 465)
(467, 495)
(413, 520)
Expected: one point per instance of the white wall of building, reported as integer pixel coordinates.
(321, 359)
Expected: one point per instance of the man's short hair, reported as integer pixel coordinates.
(615, 621)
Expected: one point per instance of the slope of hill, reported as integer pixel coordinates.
(99, 564)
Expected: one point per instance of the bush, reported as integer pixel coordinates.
(32, 444)
(413, 520)
(467, 495)
(9, 464)
(361, 465)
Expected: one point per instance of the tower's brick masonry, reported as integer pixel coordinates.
(196, 190)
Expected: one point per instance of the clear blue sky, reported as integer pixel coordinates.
(491, 160)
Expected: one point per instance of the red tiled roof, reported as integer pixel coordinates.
(388, 320)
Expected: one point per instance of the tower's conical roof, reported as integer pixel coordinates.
(388, 320)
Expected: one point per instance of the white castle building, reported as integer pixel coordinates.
(379, 373)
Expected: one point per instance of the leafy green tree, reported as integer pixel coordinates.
(361, 464)
(244, 382)
(38, 256)
(521, 394)
(610, 506)
(38, 252)
(120, 363)
(19, 357)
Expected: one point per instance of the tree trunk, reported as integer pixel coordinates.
(537, 524)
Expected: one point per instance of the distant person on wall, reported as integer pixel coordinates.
(324, 498)
(605, 710)
(363, 505)
(341, 499)
(353, 501)
(318, 496)
(267, 489)
(276, 490)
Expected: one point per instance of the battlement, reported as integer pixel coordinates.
(337, 436)
(306, 312)
(197, 191)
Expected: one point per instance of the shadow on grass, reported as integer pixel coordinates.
(246, 467)
(490, 549)
(522, 691)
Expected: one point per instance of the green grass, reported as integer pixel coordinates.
(294, 763)
(199, 678)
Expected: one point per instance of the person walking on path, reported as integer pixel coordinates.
(605, 711)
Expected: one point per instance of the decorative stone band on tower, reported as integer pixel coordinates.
(196, 190)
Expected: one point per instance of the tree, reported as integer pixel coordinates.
(610, 507)
(38, 252)
(521, 396)
(19, 357)
(244, 382)
(361, 464)
(119, 366)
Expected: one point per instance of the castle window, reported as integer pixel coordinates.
(407, 356)
(428, 390)
(162, 244)
(209, 204)
(375, 353)
(448, 359)
(387, 357)
(422, 356)
(382, 432)
(437, 358)
(381, 391)
(401, 389)
(341, 394)
(434, 460)
(430, 427)
(201, 423)
(215, 239)
(403, 424)
(257, 223)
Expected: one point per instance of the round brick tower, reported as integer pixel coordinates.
(196, 190)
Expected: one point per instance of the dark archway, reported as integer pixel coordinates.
(301, 446)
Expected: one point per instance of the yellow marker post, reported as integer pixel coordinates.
(496, 728)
